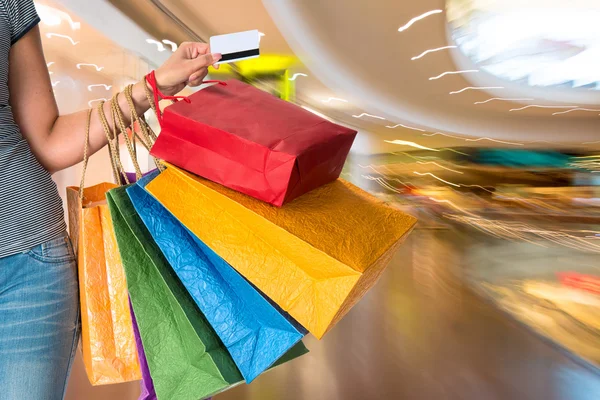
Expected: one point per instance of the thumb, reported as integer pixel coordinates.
(205, 60)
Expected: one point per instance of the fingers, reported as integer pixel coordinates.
(205, 60)
(198, 75)
(194, 49)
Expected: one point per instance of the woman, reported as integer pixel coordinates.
(39, 314)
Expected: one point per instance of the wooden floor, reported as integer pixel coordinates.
(422, 333)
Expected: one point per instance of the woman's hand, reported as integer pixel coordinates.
(187, 66)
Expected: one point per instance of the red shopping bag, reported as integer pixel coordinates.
(250, 141)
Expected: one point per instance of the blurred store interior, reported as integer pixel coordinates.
(480, 117)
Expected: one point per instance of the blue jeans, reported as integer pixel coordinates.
(39, 321)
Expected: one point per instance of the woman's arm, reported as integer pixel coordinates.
(58, 141)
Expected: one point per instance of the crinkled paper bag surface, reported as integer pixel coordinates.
(186, 358)
(315, 257)
(107, 339)
(255, 333)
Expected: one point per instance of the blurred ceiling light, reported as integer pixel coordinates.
(95, 100)
(418, 18)
(69, 38)
(107, 87)
(159, 45)
(405, 126)
(295, 76)
(466, 71)
(551, 43)
(90, 65)
(317, 113)
(368, 115)
(501, 99)
(50, 64)
(539, 106)
(411, 144)
(170, 43)
(436, 177)
(329, 100)
(53, 17)
(432, 51)
(477, 88)
(55, 83)
(576, 109)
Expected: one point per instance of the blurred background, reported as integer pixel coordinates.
(480, 117)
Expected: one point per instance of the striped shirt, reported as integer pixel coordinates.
(30, 207)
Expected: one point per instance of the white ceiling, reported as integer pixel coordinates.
(352, 50)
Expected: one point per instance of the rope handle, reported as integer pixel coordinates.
(86, 146)
(157, 95)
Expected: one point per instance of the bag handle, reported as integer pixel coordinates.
(156, 95)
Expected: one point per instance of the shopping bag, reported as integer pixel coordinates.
(187, 360)
(107, 339)
(147, 387)
(315, 257)
(255, 333)
(185, 356)
(251, 141)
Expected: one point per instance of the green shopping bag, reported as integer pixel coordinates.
(186, 358)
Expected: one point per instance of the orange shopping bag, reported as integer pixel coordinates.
(107, 338)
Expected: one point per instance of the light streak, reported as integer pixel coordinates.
(50, 64)
(405, 126)
(69, 38)
(423, 54)
(501, 99)
(495, 141)
(444, 201)
(575, 109)
(520, 231)
(95, 100)
(411, 144)
(381, 182)
(296, 75)
(478, 186)
(89, 65)
(539, 106)
(329, 100)
(439, 165)
(466, 71)
(454, 151)
(419, 18)
(170, 43)
(53, 17)
(55, 83)
(159, 45)
(107, 87)
(368, 115)
(436, 177)
(473, 140)
(476, 88)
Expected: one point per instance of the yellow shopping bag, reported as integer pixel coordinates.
(315, 257)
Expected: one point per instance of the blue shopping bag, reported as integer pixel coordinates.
(255, 331)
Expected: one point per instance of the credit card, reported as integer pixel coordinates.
(236, 46)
